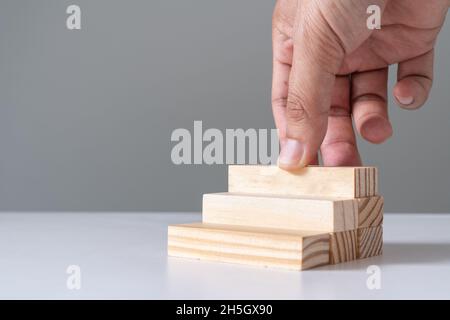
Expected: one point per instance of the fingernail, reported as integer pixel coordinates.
(376, 129)
(405, 100)
(291, 154)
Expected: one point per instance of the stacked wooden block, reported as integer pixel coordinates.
(275, 218)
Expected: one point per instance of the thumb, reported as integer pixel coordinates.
(324, 32)
(317, 57)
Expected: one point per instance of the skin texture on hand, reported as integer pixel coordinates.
(330, 73)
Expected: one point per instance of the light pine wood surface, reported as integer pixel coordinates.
(343, 246)
(245, 245)
(346, 182)
(280, 212)
(273, 218)
(370, 211)
(370, 242)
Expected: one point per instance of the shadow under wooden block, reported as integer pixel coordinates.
(315, 181)
(252, 246)
(370, 211)
(343, 246)
(370, 242)
(321, 214)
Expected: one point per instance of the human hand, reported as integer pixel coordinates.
(329, 67)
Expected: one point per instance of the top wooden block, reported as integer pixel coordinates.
(312, 181)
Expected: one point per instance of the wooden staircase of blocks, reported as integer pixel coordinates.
(274, 218)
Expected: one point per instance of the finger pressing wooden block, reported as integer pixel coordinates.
(266, 211)
(346, 182)
(253, 246)
(343, 246)
(370, 242)
(370, 211)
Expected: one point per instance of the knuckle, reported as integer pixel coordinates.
(279, 103)
(296, 110)
(340, 144)
(339, 111)
(297, 114)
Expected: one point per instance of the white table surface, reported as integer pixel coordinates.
(123, 256)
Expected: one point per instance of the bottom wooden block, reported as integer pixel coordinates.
(295, 250)
(343, 246)
(370, 242)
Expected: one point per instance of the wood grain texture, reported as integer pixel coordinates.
(370, 211)
(370, 242)
(253, 246)
(315, 181)
(343, 246)
(280, 212)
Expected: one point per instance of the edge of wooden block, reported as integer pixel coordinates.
(364, 180)
(370, 211)
(254, 246)
(303, 213)
(343, 246)
(370, 242)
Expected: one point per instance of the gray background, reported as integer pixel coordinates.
(86, 116)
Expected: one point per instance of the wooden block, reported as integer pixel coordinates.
(370, 242)
(370, 211)
(346, 182)
(280, 212)
(343, 246)
(253, 246)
